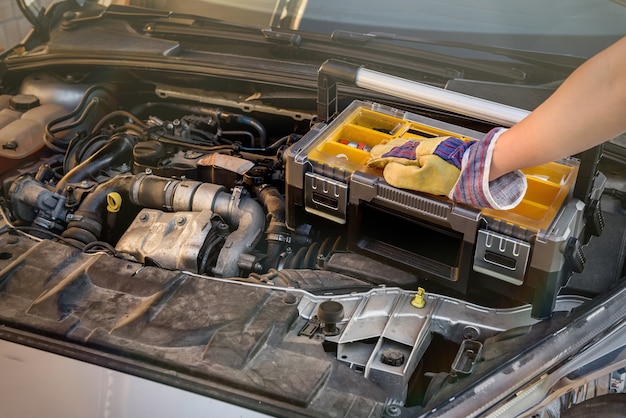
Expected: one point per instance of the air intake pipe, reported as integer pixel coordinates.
(86, 223)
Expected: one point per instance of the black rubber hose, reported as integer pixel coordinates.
(277, 234)
(117, 151)
(82, 108)
(246, 120)
(88, 219)
(272, 148)
(274, 202)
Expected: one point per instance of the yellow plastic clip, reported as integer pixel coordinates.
(114, 202)
(419, 301)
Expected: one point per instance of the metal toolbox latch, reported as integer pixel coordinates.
(325, 197)
(502, 257)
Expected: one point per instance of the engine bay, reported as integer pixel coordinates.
(175, 227)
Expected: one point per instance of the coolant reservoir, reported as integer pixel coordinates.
(8, 113)
(22, 124)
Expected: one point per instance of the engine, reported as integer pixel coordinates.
(171, 184)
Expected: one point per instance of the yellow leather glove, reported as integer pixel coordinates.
(451, 167)
(413, 165)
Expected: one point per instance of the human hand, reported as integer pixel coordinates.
(451, 167)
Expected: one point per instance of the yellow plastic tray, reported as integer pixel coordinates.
(347, 145)
(548, 187)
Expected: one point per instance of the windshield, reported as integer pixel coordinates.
(571, 27)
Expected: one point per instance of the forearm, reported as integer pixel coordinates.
(587, 109)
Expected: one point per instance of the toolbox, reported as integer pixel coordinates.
(526, 253)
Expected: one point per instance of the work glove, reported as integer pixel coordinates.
(451, 167)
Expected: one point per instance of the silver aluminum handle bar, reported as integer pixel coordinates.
(333, 71)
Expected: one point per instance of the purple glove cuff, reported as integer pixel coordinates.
(473, 186)
(452, 150)
(406, 150)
